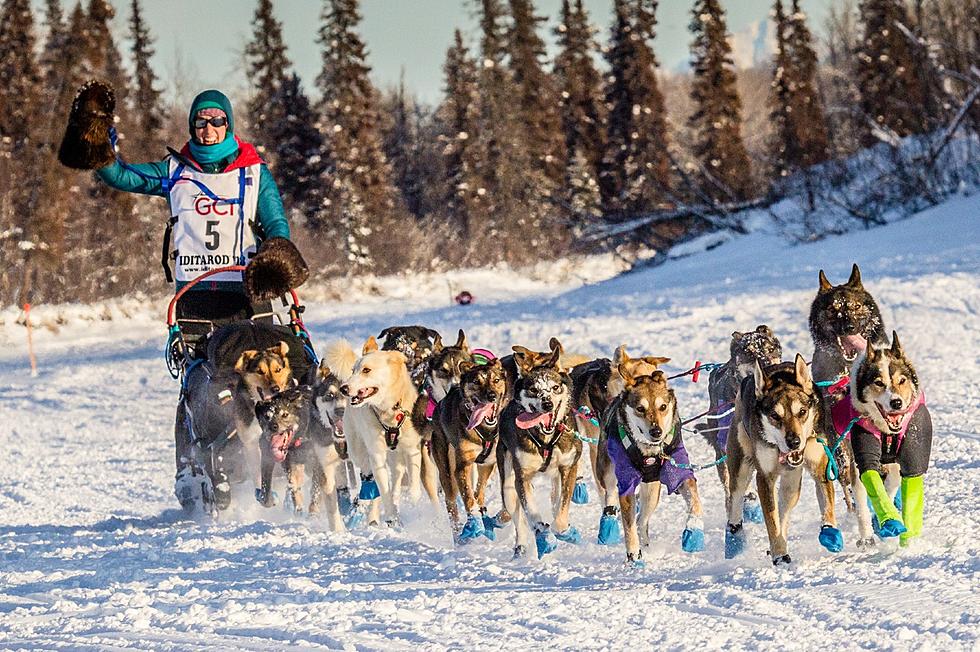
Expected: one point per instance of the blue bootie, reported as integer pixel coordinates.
(472, 529)
(355, 518)
(831, 538)
(634, 562)
(489, 525)
(545, 542)
(344, 503)
(580, 495)
(571, 535)
(610, 533)
(891, 528)
(692, 540)
(260, 498)
(734, 541)
(752, 510)
(369, 488)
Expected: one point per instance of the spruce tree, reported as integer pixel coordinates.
(149, 135)
(579, 85)
(268, 71)
(537, 98)
(365, 200)
(635, 175)
(19, 74)
(717, 121)
(891, 95)
(459, 115)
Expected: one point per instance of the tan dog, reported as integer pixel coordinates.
(265, 373)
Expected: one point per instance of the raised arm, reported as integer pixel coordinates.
(142, 178)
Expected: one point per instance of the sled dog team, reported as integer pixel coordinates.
(415, 414)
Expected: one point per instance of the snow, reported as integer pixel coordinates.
(95, 555)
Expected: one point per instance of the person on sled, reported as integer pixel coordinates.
(225, 210)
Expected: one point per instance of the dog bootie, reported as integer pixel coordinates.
(489, 525)
(266, 501)
(369, 488)
(889, 519)
(344, 503)
(831, 538)
(610, 533)
(473, 529)
(913, 502)
(545, 542)
(571, 535)
(751, 510)
(692, 538)
(634, 561)
(734, 541)
(355, 517)
(580, 495)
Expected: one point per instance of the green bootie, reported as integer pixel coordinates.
(889, 519)
(913, 501)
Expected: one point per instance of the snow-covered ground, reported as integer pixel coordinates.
(94, 554)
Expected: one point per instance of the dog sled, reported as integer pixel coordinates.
(216, 434)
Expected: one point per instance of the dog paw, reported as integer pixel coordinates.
(571, 535)
(545, 542)
(891, 528)
(634, 561)
(354, 519)
(520, 552)
(580, 495)
(474, 528)
(781, 560)
(610, 533)
(752, 510)
(865, 545)
(692, 540)
(490, 524)
(831, 538)
(369, 488)
(266, 500)
(344, 503)
(734, 541)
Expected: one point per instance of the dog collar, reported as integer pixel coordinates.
(392, 432)
(868, 424)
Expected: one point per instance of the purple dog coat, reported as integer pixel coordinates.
(632, 468)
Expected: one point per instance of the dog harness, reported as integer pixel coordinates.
(670, 467)
(843, 413)
(487, 439)
(545, 447)
(392, 432)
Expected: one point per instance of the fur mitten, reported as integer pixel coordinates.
(86, 145)
(276, 268)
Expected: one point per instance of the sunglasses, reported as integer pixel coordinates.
(216, 122)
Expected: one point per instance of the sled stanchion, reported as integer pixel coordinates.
(30, 339)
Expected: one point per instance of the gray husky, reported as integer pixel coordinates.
(777, 415)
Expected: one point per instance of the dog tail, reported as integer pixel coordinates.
(340, 357)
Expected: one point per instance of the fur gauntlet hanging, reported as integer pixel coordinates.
(276, 268)
(86, 145)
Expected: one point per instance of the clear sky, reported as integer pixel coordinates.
(200, 41)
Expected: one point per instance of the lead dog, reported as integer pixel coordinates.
(381, 436)
(777, 415)
(641, 447)
(537, 436)
(595, 385)
(465, 432)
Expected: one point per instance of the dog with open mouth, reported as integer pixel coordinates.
(776, 430)
(382, 438)
(595, 385)
(640, 450)
(466, 425)
(891, 436)
(537, 436)
(723, 382)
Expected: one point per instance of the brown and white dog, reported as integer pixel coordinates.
(775, 433)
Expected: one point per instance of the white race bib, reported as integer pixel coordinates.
(214, 216)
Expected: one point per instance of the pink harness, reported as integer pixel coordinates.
(843, 413)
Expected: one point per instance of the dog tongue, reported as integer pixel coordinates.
(480, 413)
(854, 343)
(527, 420)
(278, 446)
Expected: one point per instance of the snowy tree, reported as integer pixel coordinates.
(724, 174)
(19, 74)
(892, 97)
(580, 105)
(268, 71)
(149, 134)
(367, 201)
(635, 168)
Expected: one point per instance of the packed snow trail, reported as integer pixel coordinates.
(94, 554)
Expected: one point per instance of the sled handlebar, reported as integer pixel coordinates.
(171, 308)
